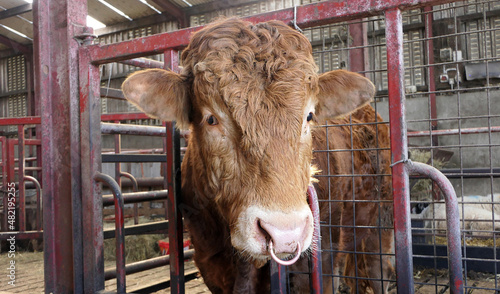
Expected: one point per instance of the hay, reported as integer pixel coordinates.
(422, 188)
(476, 242)
(137, 247)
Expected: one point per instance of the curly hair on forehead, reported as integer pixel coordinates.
(265, 47)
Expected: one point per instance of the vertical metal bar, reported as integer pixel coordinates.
(119, 230)
(38, 200)
(135, 188)
(3, 140)
(175, 227)
(356, 55)
(90, 120)
(57, 85)
(20, 174)
(452, 223)
(167, 147)
(278, 278)
(399, 150)
(118, 149)
(316, 266)
(430, 70)
(11, 161)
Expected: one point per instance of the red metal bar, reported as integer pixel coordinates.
(8, 121)
(167, 141)
(90, 149)
(316, 268)
(119, 229)
(278, 278)
(38, 201)
(11, 175)
(26, 235)
(357, 55)
(452, 222)
(430, 71)
(3, 141)
(20, 175)
(56, 22)
(123, 116)
(135, 188)
(399, 150)
(118, 148)
(454, 132)
(310, 15)
(175, 226)
(26, 142)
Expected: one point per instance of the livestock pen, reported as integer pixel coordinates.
(435, 65)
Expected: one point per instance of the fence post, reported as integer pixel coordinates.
(399, 149)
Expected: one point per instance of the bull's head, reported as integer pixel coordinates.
(250, 94)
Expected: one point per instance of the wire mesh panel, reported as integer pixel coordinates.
(354, 183)
(451, 83)
(454, 127)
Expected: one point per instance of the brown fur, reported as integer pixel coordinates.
(374, 188)
(257, 82)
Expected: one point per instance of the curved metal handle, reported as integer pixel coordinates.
(119, 228)
(452, 221)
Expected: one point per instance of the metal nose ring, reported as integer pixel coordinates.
(284, 262)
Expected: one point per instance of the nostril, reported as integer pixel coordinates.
(263, 232)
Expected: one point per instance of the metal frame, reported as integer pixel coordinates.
(70, 103)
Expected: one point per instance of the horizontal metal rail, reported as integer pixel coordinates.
(126, 129)
(454, 132)
(27, 120)
(304, 16)
(144, 63)
(133, 158)
(123, 116)
(145, 265)
(159, 227)
(134, 197)
(25, 235)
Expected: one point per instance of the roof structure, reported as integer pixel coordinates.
(16, 16)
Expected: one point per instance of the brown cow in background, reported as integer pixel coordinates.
(250, 95)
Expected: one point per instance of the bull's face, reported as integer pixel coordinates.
(250, 95)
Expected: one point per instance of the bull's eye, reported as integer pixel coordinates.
(212, 120)
(310, 116)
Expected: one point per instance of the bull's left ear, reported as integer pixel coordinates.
(341, 92)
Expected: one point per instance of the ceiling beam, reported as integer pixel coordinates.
(16, 46)
(175, 11)
(16, 11)
(217, 5)
(137, 23)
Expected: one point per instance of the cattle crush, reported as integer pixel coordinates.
(435, 66)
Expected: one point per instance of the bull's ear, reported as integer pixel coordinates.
(341, 92)
(159, 93)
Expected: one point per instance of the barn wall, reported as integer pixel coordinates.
(476, 151)
(331, 46)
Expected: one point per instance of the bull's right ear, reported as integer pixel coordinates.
(160, 94)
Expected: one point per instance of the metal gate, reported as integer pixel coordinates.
(374, 43)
